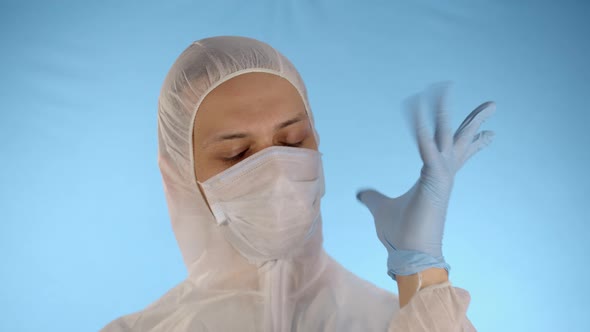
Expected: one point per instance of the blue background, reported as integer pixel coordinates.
(84, 228)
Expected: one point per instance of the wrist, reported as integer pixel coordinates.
(408, 285)
(433, 276)
(430, 276)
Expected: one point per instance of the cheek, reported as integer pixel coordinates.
(197, 169)
(312, 143)
(207, 167)
(202, 166)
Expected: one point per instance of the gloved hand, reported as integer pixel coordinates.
(411, 226)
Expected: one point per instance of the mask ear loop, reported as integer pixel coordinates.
(216, 210)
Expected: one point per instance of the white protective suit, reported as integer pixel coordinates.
(223, 290)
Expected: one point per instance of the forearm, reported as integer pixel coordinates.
(407, 285)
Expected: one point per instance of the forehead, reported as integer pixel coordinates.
(248, 99)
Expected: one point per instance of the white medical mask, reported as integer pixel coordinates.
(268, 204)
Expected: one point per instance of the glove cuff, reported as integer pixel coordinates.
(407, 262)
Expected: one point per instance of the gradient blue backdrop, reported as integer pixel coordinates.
(84, 228)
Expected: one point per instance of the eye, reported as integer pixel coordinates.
(236, 157)
(243, 153)
(298, 144)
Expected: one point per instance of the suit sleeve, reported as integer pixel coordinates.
(436, 308)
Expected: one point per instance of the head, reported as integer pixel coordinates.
(244, 115)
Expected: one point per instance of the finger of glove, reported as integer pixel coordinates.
(442, 134)
(473, 113)
(421, 133)
(466, 131)
(480, 141)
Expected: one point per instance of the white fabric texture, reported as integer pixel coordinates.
(224, 291)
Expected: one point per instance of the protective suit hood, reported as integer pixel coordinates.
(202, 67)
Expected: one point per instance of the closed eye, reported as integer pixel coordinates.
(243, 153)
(295, 144)
(236, 157)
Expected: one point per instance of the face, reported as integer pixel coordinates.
(244, 115)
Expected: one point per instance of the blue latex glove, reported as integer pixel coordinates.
(411, 226)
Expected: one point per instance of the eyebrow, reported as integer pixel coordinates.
(223, 137)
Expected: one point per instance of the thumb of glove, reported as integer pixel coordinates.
(378, 204)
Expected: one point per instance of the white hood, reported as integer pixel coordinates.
(203, 66)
